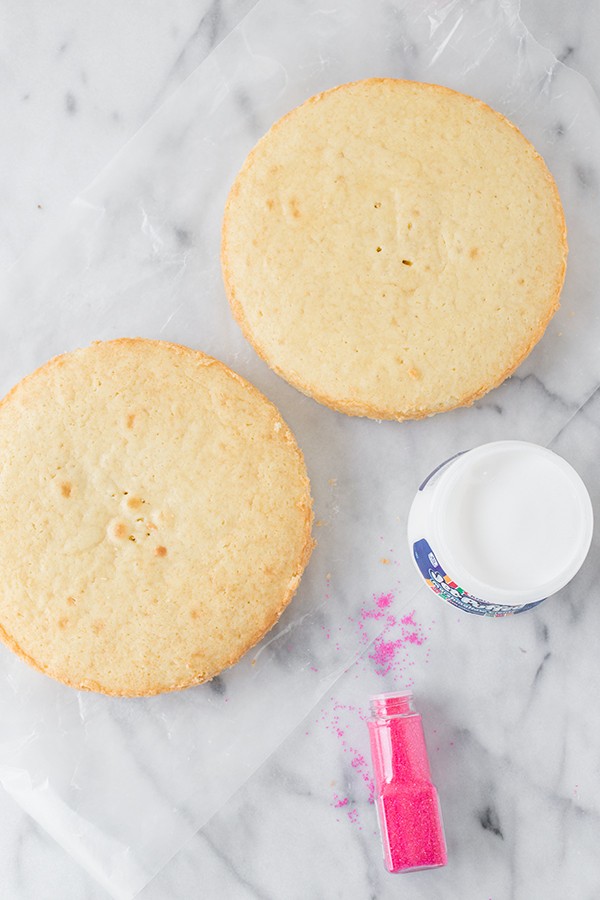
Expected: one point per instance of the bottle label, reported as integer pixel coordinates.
(447, 589)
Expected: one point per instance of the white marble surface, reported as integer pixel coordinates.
(509, 706)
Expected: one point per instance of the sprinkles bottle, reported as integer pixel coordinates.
(407, 803)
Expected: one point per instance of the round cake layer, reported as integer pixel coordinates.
(393, 249)
(155, 517)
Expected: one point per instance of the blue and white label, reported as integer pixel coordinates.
(447, 589)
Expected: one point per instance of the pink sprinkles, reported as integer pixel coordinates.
(389, 650)
(385, 652)
(336, 723)
(389, 656)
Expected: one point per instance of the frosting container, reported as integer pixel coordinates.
(498, 529)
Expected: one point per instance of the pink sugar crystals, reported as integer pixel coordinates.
(407, 802)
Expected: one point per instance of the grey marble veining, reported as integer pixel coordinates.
(508, 706)
(77, 85)
(570, 32)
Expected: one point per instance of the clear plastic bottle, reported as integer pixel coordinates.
(407, 802)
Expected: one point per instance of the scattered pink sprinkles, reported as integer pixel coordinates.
(389, 656)
(384, 600)
(384, 653)
(338, 721)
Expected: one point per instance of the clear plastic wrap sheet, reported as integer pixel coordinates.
(121, 784)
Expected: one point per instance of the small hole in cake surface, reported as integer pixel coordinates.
(377, 205)
(407, 262)
(379, 249)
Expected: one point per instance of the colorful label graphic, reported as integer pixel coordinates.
(441, 584)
